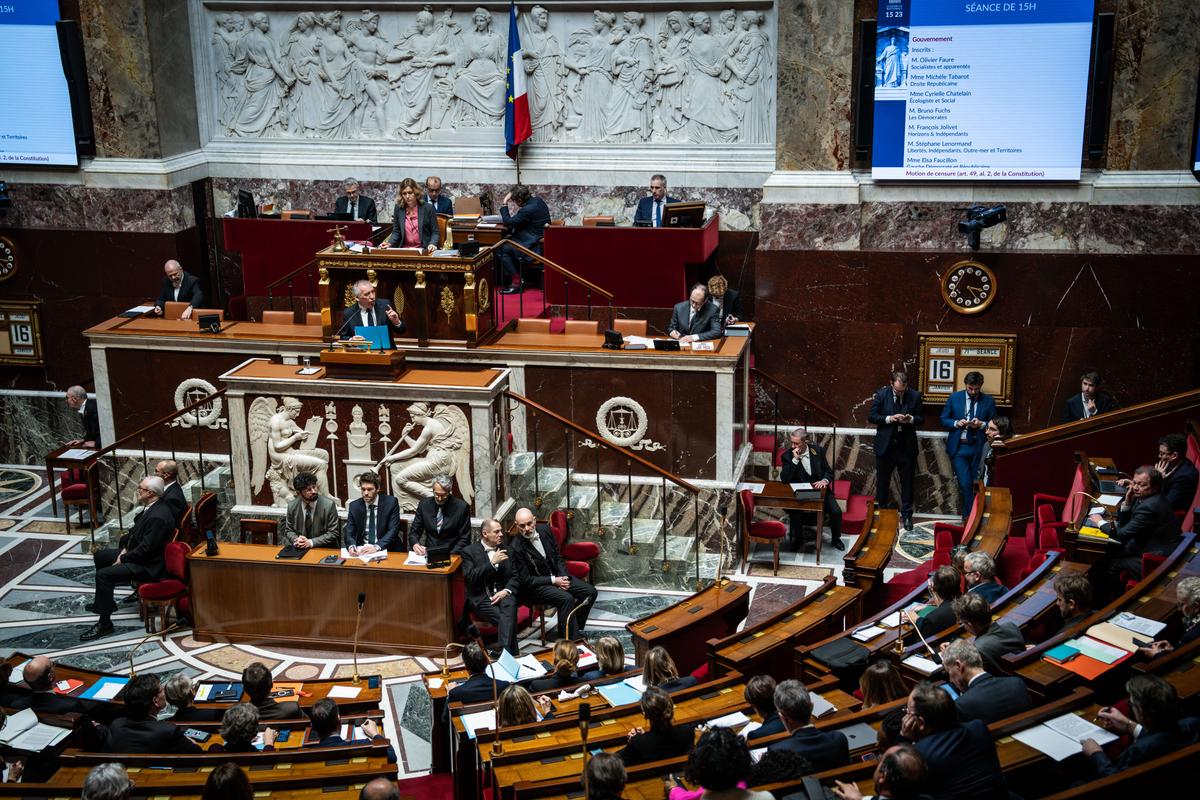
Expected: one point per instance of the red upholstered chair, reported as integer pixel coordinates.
(435, 786)
(763, 530)
(584, 553)
(855, 513)
(200, 518)
(759, 442)
(164, 594)
(1048, 540)
(1036, 561)
(1150, 562)
(73, 489)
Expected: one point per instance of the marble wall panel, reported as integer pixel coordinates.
(33, 425)
(120, 78)
(64, 207)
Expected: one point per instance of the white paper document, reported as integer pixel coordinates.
(344, 692)
(110, 690)
(728, 720)
(1094, 648)
(636, 682)
(479, 721)
(18, 673)
(586, 658)
(891, 620)
(530, 667)
(140, 310)
(78, 453)
(801, 487)
(867, 633)
(821, 706)
(756, 488)
(378, 555)
(415, 560)
(1132, 622)
(434, 683)
(645, 341)
(922, 665)
(1110, 499)
(1061, 737)
(22, 731)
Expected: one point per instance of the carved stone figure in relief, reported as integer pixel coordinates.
(280, 448)
(265, 78)
(447, 33)
(727, 28)
(544, 72)
(418, 53)
(628, 110)
(710, 114)
(229, 87)
(753, 94)
(589, 77)
(306, 99)
(670, 72)
(344, 79)
(442, 447)
(371, 49)
(479, 87)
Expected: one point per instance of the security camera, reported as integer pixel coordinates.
(979, 218)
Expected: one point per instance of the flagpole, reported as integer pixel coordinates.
(518, 160)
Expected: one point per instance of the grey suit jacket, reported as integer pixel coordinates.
(327, 527)
(997, 641)
(706, 325)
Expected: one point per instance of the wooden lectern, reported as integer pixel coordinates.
(440, 298)
(372, 365)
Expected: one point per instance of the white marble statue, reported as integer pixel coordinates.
(670, 71)
(280, 449)
(750, 63)
(727, 28)
(265, 78)
(371, 49)
(229, 29)
(343, 78)
(627, 113)
(306, 99)
(479, 85)
(448, 35)
(589, 77)
(544, 74)
(442, 447)
(711, 119)
(418, 53)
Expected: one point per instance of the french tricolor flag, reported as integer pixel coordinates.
(517, 125)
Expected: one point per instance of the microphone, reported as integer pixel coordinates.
(497, 745)
(174, 626)
(585, 716)
(211, 549)
(564, 631)
(362, 600)
(342, 329)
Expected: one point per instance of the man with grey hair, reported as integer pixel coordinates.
(353, 203)
(980, 574)
(106, 782)
(491, 583)
(181, 691)
(138, 557)
(825, 749)
(77, 400)
(1187, 599)
(369, 312)
(179, 287)
(805, 462)
(982, 695)
(441, 520)
(380, 789)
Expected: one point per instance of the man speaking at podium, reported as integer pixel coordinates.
(649, 212)
(369, 312)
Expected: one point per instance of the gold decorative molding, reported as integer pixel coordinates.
(420, 279)
(483, 298)
(448, 303)
(398, 301)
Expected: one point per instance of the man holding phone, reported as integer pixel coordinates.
(896, 413)
(966, 415)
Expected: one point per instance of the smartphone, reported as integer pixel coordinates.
(373, 682)
(199, 736)
(283, 735)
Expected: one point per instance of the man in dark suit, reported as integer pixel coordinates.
(525, 225)
(899, 775)
(180, 287)
(804, 462)
(139, 731)
(139, 558)
(369, 311)
(966, 415)
(543, 578)
(491, 583)
(441, 521)
(961, 756)
(311, 519)
(327, 723)
(728, 301)
(825, 749)
(649, 213)
(1145, 524)
(979, 571)
(760, 693)
(1180, 477)
(993, 640)
(168, 470)
(982, 695)
(353, 203)
(256, 680)
(39, 675)
(1156, 727)
(478, 687)
(695, 319)
(1090, 401)
(373, 520)
(896, 414)
(945, 587)
(442, 203)
(77, 400)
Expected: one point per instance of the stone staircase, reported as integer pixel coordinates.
(217, 479)
(591, 511)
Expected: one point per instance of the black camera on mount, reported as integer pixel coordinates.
(979, 218)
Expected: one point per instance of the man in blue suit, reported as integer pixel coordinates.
(369, 311)
(1156, 727)
(896, 414)
(966, 415)
(372, 521)
(825, 749)
(961, 756)
(327, 724)
(649, 212)
(442, 203)
(525, 227)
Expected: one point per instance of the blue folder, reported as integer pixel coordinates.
(376, 334)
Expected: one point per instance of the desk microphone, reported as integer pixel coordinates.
(211, 549)
(497, 745)
(362, 601)
(342, 329)
(585, 716)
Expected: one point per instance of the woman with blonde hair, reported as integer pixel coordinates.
(414, 222)
(610, 659)
(566, 668)
(660, 670)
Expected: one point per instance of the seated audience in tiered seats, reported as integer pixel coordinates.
(605, 777)
(1187, 599)
(140, 731)
(228, 782)
(256, 680)
(478, 687)
(1145, 524)
(1156, 727)
(239, 729)
(1073, 596)
(880, 683)
(379, 789)
(517, 707)
(39, 674)
(106, 782)
(760, 693)
(181, 692)
(979, 569)
(327, 723)
(825, 749)
(982, 695)
(1179, 475)
(566, 668)
(994, 640)
(960, 756)
(659, 670)
(945, 586)
(610, 657)
(720, 763)
(899, 775)
(664, 739)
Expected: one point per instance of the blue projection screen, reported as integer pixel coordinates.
(35, 124)
(980, 90)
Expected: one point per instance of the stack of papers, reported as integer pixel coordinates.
(18, 673)
(415, 560)
(340, 692)
(728, 720)
(867, 633)
(510, 669)
(378, 555)
(821, 706)
(922, 665)
(1110, 499)
(1132, 622)
(756, 488)
(479, 721)
(109, 688)
(644, 341)
(444, 254)
(1061, 737)
(78, 453)
(22, 731)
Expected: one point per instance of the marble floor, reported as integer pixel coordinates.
(46, 578)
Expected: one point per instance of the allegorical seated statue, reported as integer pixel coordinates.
(443, 447)
(278, 447)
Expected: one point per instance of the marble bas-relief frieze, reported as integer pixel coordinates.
(622, 77)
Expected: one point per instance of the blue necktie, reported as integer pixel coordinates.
(658, 213)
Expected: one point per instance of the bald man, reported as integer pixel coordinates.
(542, 577)
(179, 287)
(380, 789)
(168, 470)
(39, 674)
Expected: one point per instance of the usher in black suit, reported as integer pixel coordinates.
(189, 292)
(896, 446)
(533, 574)
(482, 582)
(793, 472)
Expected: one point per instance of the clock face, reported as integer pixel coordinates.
(8, 258)
(969, 287)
